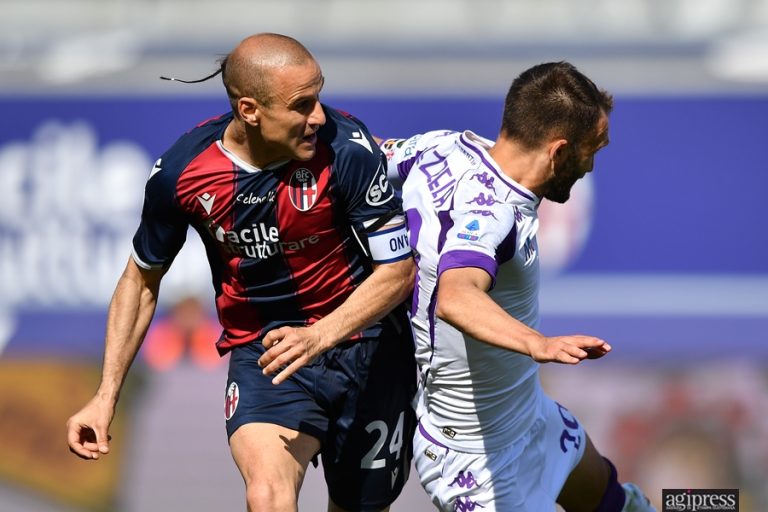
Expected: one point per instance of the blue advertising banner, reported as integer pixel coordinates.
(680, 193)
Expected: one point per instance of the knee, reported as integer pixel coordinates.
(270, 495)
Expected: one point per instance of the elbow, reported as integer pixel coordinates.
(445, 308)
(440, 311)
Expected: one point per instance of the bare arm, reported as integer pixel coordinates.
(385, 288)
(130, 313)
(462, 293)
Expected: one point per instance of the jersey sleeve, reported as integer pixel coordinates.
(362, 179)
(401, 154)
(163, 227)
(482, 228)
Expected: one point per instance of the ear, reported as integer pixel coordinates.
(558, 149)
(248, 108)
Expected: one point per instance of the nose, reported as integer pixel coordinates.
(317, 117)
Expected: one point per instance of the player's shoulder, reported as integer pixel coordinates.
(347, 135)
(479, 175)
(439, 138)
(193, 142)
(341, 121)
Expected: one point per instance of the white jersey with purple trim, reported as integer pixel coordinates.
(463, 211)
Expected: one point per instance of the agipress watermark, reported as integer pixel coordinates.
(690, 500)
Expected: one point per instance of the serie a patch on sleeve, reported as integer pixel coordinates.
(389, 244)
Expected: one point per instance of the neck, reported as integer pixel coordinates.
(240, 141)
(529, 168)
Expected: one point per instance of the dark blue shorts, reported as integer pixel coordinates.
(355, 398)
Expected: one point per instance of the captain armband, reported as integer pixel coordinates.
(389, 244)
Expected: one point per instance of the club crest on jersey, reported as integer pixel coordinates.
(302, 189)
(233, 398)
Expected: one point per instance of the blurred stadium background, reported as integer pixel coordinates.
(663, 251)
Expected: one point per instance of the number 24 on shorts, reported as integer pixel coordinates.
(370, 461)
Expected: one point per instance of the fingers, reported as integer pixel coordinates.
(594, 347)
(574, 349)
(288, 349)
(103, 441)
(285, 360)
(75, 435)
(287, 371)
(570, 354)
(275, 349)
(592, 343)
(597, 352)
(274, 336)
(86, 442)
(97, 448)
(278, 357)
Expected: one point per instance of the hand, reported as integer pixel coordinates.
(289, 348)
(569, 349)
(87, 430)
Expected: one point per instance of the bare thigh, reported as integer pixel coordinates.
(272, 460)
(585, 486)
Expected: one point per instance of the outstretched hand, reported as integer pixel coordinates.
(87, 430)
(288, 349)
(569, 349)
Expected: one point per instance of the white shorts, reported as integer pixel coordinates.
(526, 476)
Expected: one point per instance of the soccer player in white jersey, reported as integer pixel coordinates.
(489, 439)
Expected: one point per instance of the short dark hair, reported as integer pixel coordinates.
(256, 86)
(552, 99)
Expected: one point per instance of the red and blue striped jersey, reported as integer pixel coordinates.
(280, 241)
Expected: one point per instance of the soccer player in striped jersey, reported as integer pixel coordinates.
(488, 437)
(310, 263)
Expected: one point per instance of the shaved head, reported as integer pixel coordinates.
(248, 69)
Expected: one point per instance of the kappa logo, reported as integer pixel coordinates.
(156, 168)
(233, 398)
(464, 480)
(302, 189)
(529, 249)
(207, 201)
(484, 200)
(465, 504)
(379, 191)
(359, 138)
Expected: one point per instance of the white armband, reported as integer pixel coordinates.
(389, 244)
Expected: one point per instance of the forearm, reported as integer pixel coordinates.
(388, 286)
(130, 313)
(497, 327)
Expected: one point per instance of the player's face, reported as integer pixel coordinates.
(579, 162)
(288, 126)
